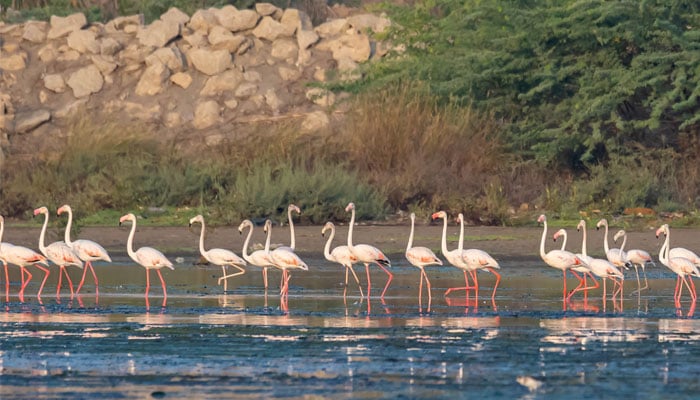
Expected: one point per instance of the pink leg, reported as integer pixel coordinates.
(94, 276)
(46, 276)
(70, 282)
(430, 290)
(265, 276)
(7, 284)
(498, 280)
(58, 286)
(369, 282)
(82, 280)
(420, 292)
(466, 287)
(564, 295)
(391, 276)
(148, 281)
(24, 282)
(162, 282)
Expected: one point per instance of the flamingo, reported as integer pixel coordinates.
(341, 255)
(292, 245)
(421, 257)
(286, 260)
(582, 269)
(559, 259)
(634, 257)
(368, 254)
(681, 251)
(58, 253)
(454, 257)
(615, 256)
(603, 269)
(147, 257)
(476, 259)
(24, 257)
(220, 257)
(681, 266)
(4, 248)
(259, 258)
(87, 250)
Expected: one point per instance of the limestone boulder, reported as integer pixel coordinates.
(353, 45)
(26, 121)
(171, 57)
(210, 62)
(227, 81)
(127, 23)
(321, 97)
(269, 29)
(369, 22)
(62, 26)
(86, 81)
(13, 62)
(267, 9)
(207, 114)
(152, 79)
(182, 79)
(175, 15)
(35, 31)
(159, 33)
(109, 46)
(222, 39)
(47, 53)
(105, 64)
(306, 38)
(332, 28)
(237, 20)
(203, 20)
(84, 41)
(284, 49)
(246, 89)
(288, 74)
(55, 83)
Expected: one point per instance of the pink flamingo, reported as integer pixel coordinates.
(603, 269)
(454, 257)
(4, 248)
(87, 250)
(559, 259)
(220, 257)
(368, 254)
(147, 257)
(615, 256)
(290, 220)
(286, 260)
(680, 265)
(58, 253)
(634, 257)
(24, 257)
(421, 257)
(681, 251)
(342, 256)
(259, 258)
(476, 259)
(582, 269)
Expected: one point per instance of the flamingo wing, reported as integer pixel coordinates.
(151, 258)
(680, 252)
(90, 251)
(224, 257)
(343, 255)
(422, 256)
(479, 259)
(61, 254)
(287, 259)
(260, 258)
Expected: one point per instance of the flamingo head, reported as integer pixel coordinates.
(328, 226)
(127, 217)
(560, 232)
(662, 229)
(581, 225)
(439, 214)
(602, 222)
(413, 216)
(619, 234)
(62, 209)
(294, 208)
(541, 219)
(245, 224)
(41, 210)
(267, 226)
(350, 207)
(198, 218)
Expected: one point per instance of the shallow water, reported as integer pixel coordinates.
(242, 344)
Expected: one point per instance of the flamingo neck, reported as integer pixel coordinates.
(130, 241)
(460, 246)
(544, 237)
(663, 254)
(2, 227)
(583, 244)
(267, 239)
(352, 223)
(201, 239)
(624, 240)
(42, 248)
(444, 237)
(606, 247)
(291, 228)
(246, 256)
(410, 237)
(66, 236)
(327, 248)
(563, 243)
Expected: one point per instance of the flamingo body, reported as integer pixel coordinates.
(341, 255)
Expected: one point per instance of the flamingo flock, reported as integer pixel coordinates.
(81, 253)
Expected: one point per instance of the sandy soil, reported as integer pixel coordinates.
(498, 241)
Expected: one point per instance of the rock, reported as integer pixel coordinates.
(47, 53)
(288, 74)
(208, 61)
(266, 9)
(34, 31)
(222, 39)
(172, 120)
(202, 20)
(273, 101)
(85, 81)
(132, 29)
(206, 114)
(105, 64)
(62, 26)
(226, 81)
(55, 83)
(231, 104)
(14, 62)
(292, 18)
(109, 46)
(269, 29)
(10, 46)
(181, 79)
(252, 76)
(175, 15)
(246, 89)
(84, 41)
(26, 121)
(43, 96)
(159, 33)
(68, 55)
(321, 97)
(284, 49)
(369, 22)
(151, 82)
(237, 20)
(196, 39)
(121, 23)
(306, 39)
(315, 121)
(168, 56)
(332, 28)
(353, 45)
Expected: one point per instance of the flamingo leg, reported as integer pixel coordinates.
(605, 289)
(676, 294)
(46, 276)
(82, 280)
(356, 280)
(564, 298)
(369, 283)
(467, 287)
(7, 283)
(420, 292)
(24, 282)
(225, 277)
(646, 282)
(430, 290)
(162, 282)
(58, 286)
(345, 289)
(94, 276)
(70, 282)
(578, 287)
(495, 286)
(388, 282)
(265, 276)
(148, 282)
(476, 284)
